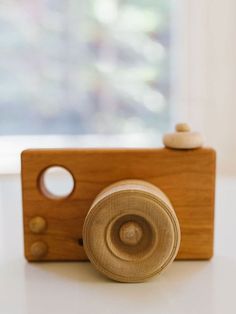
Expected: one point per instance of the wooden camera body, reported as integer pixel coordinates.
(53, 227)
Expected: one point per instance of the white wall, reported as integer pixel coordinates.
(220, 112)
(206, 93)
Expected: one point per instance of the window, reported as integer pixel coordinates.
(84, 67)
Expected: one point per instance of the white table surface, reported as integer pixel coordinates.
(61, 288)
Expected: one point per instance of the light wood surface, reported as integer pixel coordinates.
(186, 177)
(131, 232)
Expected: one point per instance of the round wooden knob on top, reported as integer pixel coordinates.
(131, 231)
(183, 138)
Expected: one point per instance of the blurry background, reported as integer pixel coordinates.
(115, 73)
(82, 67)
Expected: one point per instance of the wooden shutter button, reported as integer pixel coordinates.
(131, 231)
(183, 138)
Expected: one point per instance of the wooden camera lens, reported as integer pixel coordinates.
(131, 231)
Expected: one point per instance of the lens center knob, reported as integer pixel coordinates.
(131, 233)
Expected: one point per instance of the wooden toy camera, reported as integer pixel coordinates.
(131, 212)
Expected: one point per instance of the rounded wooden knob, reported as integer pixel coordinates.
(183, 138)
(39, 249)
(131, 231)
(37, 225)
(182, 127)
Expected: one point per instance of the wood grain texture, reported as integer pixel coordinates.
(186, 177)
(131, 231)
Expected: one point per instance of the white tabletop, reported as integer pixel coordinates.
(61, 288)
